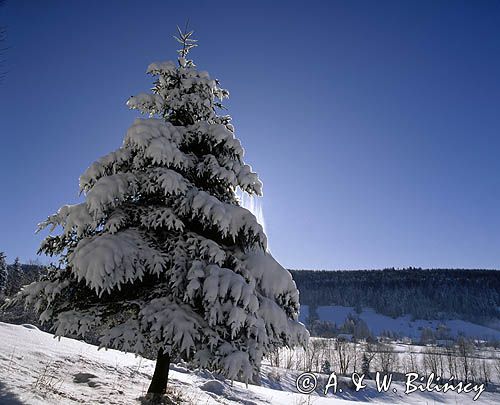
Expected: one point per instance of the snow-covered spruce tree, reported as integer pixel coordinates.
(161, 257)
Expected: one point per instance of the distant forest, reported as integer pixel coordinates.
(472, 295)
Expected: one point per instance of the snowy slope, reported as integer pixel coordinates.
(403, 325)
(37, 369)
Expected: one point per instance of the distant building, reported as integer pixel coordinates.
(444, 342)
(344, 336)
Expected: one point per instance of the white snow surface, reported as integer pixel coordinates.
(37, 369)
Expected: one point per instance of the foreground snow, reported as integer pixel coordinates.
(35, 368)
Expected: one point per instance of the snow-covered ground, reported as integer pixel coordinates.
(35, 368)
(403, 325)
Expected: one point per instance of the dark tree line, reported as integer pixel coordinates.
(472, 295)
(12, 278)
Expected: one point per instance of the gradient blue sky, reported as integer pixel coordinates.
(374, 125)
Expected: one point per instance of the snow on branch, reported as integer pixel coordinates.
(73, 218)
(273, 279)
(228, 218)
(172, 324)
(110, 260)
(143, 131)
(106, 165)
(110, 191)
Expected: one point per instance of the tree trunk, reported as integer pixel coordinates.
(158, 385)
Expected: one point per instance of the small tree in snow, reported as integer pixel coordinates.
(366, 360)
(3, 273)
(14, 278)
(326, 367)
(161, 256)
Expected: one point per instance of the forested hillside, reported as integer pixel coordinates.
(472, 295)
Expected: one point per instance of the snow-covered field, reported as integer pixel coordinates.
(35, 368)
(404, 325)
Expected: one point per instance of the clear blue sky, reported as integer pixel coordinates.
(374, 125)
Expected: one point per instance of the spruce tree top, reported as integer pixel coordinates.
(3, 272)
(161, 255)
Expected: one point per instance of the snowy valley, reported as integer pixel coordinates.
(421, 305)
(36, 368)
